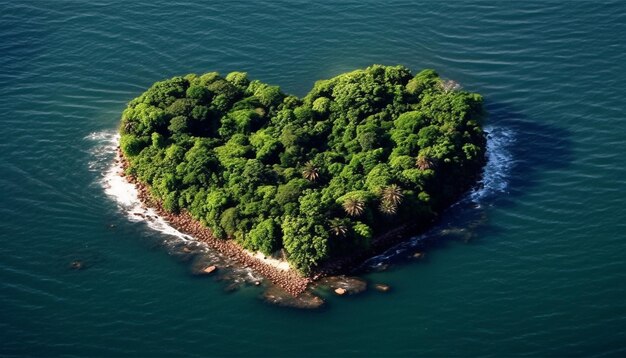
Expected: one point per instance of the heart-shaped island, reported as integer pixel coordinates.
(321, 181)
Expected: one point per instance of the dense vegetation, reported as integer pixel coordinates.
(317, 176)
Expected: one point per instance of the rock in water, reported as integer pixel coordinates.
(382, 287)
(349, 285)
(340, 291)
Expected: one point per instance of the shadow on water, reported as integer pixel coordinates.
(533, 146)
(538, 146)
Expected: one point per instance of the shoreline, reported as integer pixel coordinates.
(276, 271)
(288, 280)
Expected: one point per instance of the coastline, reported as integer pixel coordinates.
(276, 271)
(288, 280)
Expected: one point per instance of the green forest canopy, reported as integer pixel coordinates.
(317, 176)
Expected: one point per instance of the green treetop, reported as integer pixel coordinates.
(318, 176)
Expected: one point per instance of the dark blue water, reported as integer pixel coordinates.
(535, 268)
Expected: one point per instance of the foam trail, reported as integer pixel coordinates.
(495, 178)
(120, 190)
(126, 196)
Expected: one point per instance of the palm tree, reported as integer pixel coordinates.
(310, 171)
(338, 227)
(392, 194)
(387, 208)
(390, 197)
(423, 162)
(353, 206)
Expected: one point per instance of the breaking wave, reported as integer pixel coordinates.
(126, 196)
(495, 177)
(120, 190)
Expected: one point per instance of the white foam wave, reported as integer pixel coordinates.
(120, 190)
(495, 178)
(126, 196)
(105, 143)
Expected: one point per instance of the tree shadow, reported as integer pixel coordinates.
(537, 147)
(521, 150)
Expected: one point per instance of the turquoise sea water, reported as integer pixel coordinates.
(535, 266)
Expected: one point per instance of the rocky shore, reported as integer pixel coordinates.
(290, 281)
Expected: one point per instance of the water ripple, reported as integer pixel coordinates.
(535, 268)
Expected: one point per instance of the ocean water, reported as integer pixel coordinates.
(530, 264)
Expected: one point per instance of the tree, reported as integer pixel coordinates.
(306, 242)
(290, 191)
(338, 227)
(424, 162)
(199, 93)
(321, 105)
(264, 237)
(392, 194)
(388, 208)
(132, 145)
(354, 206)
(310, 171)
(247, 160)
(269, 95)
(229, 221)
(239, 79)
(179, 125)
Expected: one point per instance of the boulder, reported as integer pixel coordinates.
(347, 284)
(382, 287)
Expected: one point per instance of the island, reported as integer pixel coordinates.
(323, 181)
